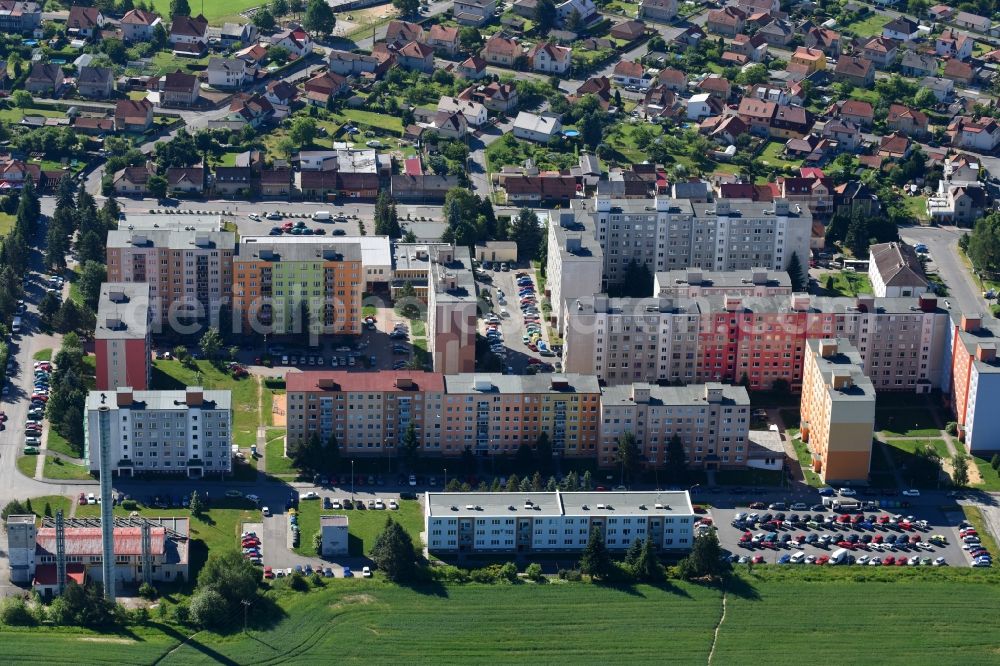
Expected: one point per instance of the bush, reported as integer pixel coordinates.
(495, 573)
(182, 615)
(130, 505)
(209, 608)
(147, 591)
(298, 582)
(951, 428)
(451, 574)
(572, 575)
(317, 580)
(534, 572)
(14, 612)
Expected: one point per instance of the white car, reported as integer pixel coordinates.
(912, 492)
(309, 495)
(413, 480)
(875, 562)
(265, 512)
(940, 562)
(366, 572)
(393, 504)
(848, 492)
(254, 216)
(253, 498)
(379, 504)
(863, 559)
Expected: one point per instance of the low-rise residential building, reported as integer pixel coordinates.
(560, 522)
(838, 410)
(895, 270)
(855, 70)
(954, 44)
(472, 68)
(727, 22)
(943, 89)
(95, 82)
(295, 39)
(132, 181)
(808, 60)
(881, 51)
(501, 51)
(44, 79)
(227, 73)
(495, 96)
(188, 35)
(416, 56)
(901, 29)
(473, 13)
(474, 112)
(825, 40)
(663, 11)
(973, 22)
(187, 431)
(185, 180)
(84, 22)
(138, 25)
(346, 63)
(179, 89)
(627, 73)
(550, 58)
(534, 127)
(906, 120)
(975, 134)
(443, 39)
(19, 17)
(122, 338)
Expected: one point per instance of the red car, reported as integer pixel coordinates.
(847, 544)
(40, 396)
(268, 573)
(800, 538)
(822, 559)
(901, 562)
(877, 538)
(758, 559)
(883, 520)
(888, 561)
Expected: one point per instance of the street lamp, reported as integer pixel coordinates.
(352, 480)
(446, 478)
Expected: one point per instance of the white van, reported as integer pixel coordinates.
(798, 558)
(839, 556)
(323, 215)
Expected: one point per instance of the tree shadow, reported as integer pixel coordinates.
(426, 587)
(740, 587)
(194, 644)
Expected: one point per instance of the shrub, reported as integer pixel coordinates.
(208, 608)
(147, 591)
(951, 428)
(298, 582)
(130, 505)
(534, 572)
(182, 615)
(572, 575)
(14, 612)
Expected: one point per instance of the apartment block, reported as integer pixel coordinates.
(189, 270)
(292, 284)
(973, 379)
(755, 340)
(411, 263)
(369, 412)
(711, 420)
(671, 234)
(452, 309)
(575, 264)
(838, 410)
(175, 432)
(122, 337)
(757, 283)
(556, 521)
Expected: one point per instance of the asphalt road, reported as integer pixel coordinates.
(964, 293)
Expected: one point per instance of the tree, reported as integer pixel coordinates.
(513, 484)
(705, 559)
(795, 273)
(632, 554)
(753, 74)
(197, 504)
(595, 560)
(527, 233)
(524, 459)
(410, 446)
(319, 18)
(232, 576)
(574, 22)
(69, 318)
(592, 130)
(386, 217)
(157, 186)
(545, 16)
(407, 7)
(587, 482)
(960, 475)
(303, 130)
(48, 307)
(628, 455)
(674, 458)
(393, 552)
(332, 456)
(318, 542)
(647, 566)
(264, 19)
(22, 99)
(534, 572)
(211, 344)
(470, 38)
(179, 8)
(92, 275)
(279, 7)
(857, 238)
(995, 461)
(409, 237)
(208, 609)
(984, 244)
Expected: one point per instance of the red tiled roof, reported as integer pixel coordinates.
(384, 380)
(45, 574)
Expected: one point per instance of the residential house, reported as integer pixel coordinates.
(19, 17)
(295, 39)
(443, 39)
(727, 22)
(95, 82)
(85, 22)
(881, 51)
(346, 63)
(825, 40)
(894, 147)
(254, 56)
(902, 29)
(941, 12)
(716, 86)
(227, 73)
(320, 88)
(766, 7)
(854, 197)
(188, 35)
(185, 180)
(845, 133)
(138, 25)
(954, 44)
(133, 115)
(474, 13)
(500, 50)
(811, 189)
(585, 12)
(960, 204)
(416, 56)
(93, 126)
(981, 135)
(777, 32)
(281, 94)
(724, 129)
(918, 64)
(495, 96)
(400, 33)
(855, 70)
(132, 181)
(44, 79)
(752, 48)
(449, 124)
(673, 79)
(701, 106)
(548, 58)
(958, 71)
(238, 34)
(474, 112)
(472, 68)
(421, 188)
(253, 110)
(233, 181)
(276, 183)
(660, 101)
(628, 30)
(807, 60)
(535, 127)
(547, 187)
(894, 270)
(973, 22)
(790, 121)
(664, 11)
(856, 111)
(907, 121)
(179, 89)
(943, 89)
(691, 35)
(757, 114)
(628, 73)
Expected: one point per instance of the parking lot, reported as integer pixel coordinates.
(514, 323)
(883, 529)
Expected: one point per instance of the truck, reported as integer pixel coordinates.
(15, 326)
(322, 215)
(842, 504)
(839, 556)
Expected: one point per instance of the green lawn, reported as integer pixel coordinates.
(911, 446)
(805, 461)
(274, 453)
(6, 223)
(14, 116)
(991, 478)
(773, 156)
(59, 444)
(419, 329)
(867, 26)
(165, 62)
(374, 120)
(916, 206)
(54, 502)
(43, 355)
(173, 375)
(56, 468)
(846, 284)
(26, 465)
(364, 525)
(216, 11)
(901, 422)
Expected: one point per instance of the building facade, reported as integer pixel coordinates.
(122, 339)
(973, 379)
(838, 410)
(452, 310)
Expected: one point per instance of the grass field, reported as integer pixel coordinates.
(274, 453)
(991, 478)
(59, 444)
(896, 422)
(174, 375)
(846, 284)
(55, 503)
(6, 223)
(56, 468)
(911, 446)
(216, 11)
(364, 525)
(374, 120)
(868, 26)
(26, 465)
(43, 355)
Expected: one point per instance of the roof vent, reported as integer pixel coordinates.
(643, 507)
(657, 506)
(600, 506)
(585, 507)
(470, 507)
(454, 508)
(510, 507)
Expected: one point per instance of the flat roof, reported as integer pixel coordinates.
(497, 383)
(844, 362)
(460, 271)
(295, 248)
(319, 381)
(123, 311)
(723, 279)
(171, 221)
(558, 503)
(692, 394)
(174, 239)
(333, 521)
(169, 400)
(375, 250)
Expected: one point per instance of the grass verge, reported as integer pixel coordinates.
(57, 468)
(363, 525)
(26, 465)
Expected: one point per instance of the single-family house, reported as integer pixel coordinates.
(808, 60)
(664, 11)
(752, 48)
(981, 135)
(133, 115)
(894, 271)
(276, 183)
(943, 89)
(777, 32)
(495, 96)
(757, 114)
(474, 112)
(238, 34)
(855, 70)
(500, 50)
(549, 58)
(132, 181)
(691, 35)
(253, 110)
(716, 86)
(856, 111)
(233, 181)
(320, 88)
(528, 188)
(584, 11)
(628, 30)
(536, 127)
(179, 89)
(443, 39)
(907, 121)
(449, 124)
(138, 25)
(825, 40)
(894, 146)
(881, 51)
(416, 56)
(973, 22)
(701, 106)
(85, 22)
(673, 79)
(472, 68)
(941, 12)
(723, 129)
(660, 101)
(227, 73)
(854, 197)
(954, 44)
(628, 73)
(918, 64)
(44, 79)
(185, 180)
(958, 71)
(902, 29)
(295, 39)
(346, 63)
(727, 22)
(281, 94)
(95, 82)
(400, 33)
(844, 132)
(19, 16)
(254, 56)
(188, 35)
(473, 13)
(790, 121)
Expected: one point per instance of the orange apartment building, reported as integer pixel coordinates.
(837, 410)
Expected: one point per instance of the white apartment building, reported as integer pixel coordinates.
(574, 266)
(539, 522)
(179, 432)
(692, 283)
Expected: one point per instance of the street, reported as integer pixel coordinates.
(942, 244)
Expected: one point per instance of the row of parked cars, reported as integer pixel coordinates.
(250, 543)
(36, 410)
(971, 543)
(307, 570)
(857, 521)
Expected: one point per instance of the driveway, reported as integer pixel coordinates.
(942, 244)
